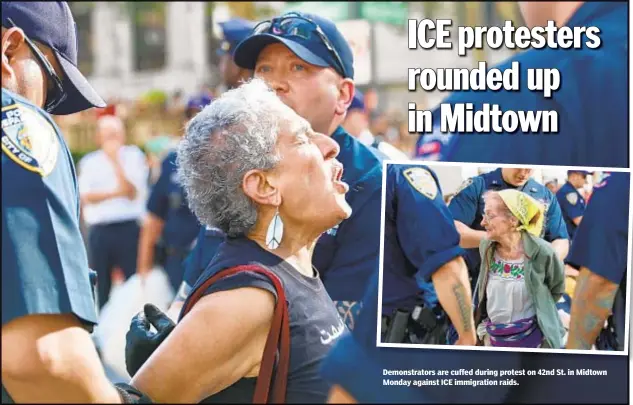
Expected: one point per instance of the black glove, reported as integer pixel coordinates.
(140, 342)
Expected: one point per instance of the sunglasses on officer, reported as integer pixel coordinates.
(295, 25)
(55, 92)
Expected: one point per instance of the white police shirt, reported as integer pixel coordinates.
(96, 174)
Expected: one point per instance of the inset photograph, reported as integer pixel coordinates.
(505, 258)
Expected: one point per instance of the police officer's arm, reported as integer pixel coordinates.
(599, 251)
(576, 220)
(463, 207)
(196, 361)
(157, 208)
(591, 305)
(556, 230)
(430, 241)
(51, 358)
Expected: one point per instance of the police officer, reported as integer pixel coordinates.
(592, 132)
(234, 31)
(170, 228)
(48, 306)
(420, 241)
(599, 252)
(572, 203)
(467, 208)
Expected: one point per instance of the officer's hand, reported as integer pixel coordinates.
(140, 342)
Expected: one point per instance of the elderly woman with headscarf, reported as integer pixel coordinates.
(521, 278)
(256, 170)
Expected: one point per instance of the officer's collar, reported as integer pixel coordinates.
(339, 132)
(590, 11)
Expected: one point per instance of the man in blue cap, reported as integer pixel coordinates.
(592, 101)
(572, 203)
(599, 252)
(234, 31)
(170, 228)
(467, 208)
(48, 306)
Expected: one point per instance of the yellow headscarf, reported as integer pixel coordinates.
(525, 208)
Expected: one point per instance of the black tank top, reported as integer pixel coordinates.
(314, 321)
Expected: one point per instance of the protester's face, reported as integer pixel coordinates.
(516, 177)
(308, 177)
(311, 91)
(21, 71)
(496, 220)
(355, 122)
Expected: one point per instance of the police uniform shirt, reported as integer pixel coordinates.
(420, 236)
(592, 104)
(572, 205)
(44, 263)
(467, 206)
(168, 202)
(347, 254)
(207, 244)
(601, 240)
(96, 174)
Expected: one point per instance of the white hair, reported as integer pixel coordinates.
(234, 134)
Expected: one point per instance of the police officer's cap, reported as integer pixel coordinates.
(234, 31)
(196, 104)
(52, 24)
(358, 102)
(583, 172)
(312, 38)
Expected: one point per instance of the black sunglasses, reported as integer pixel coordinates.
(293, 24)
(55, 94)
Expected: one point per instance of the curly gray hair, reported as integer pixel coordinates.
(236, 133)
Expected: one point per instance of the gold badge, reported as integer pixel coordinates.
(29, 139)
(422, 180)
(572, 198)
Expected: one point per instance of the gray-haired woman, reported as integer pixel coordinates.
(249, 164)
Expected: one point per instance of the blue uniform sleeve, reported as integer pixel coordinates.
(424, 224)
(199, 258)
(600, 242)
(158, 202)
(555, 226)
(463, 205)
(574, 210)
(44, 263)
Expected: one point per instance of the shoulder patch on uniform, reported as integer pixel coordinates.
(572, 198)
(29, 139)
(464, 185)
(422, 180)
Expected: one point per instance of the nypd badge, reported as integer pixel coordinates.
(422, 181)
(572, 198)
(29, 139)
(464, 184)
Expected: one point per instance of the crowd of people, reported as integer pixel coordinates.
(266, 219)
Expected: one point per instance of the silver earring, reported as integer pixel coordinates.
(275, 232)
